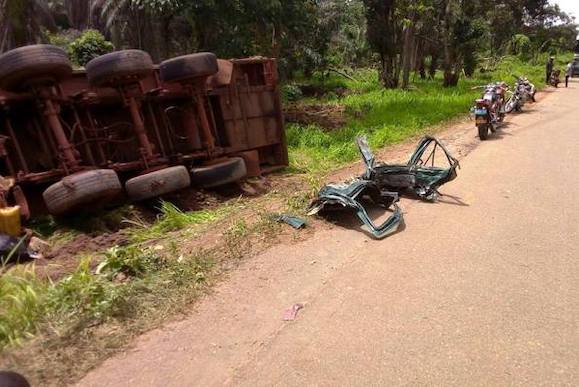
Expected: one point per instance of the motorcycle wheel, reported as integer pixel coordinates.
(483, 131)
(510, 105)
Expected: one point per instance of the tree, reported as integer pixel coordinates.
(383, 36)
(21, 22)
(344, 23)
(143, 24)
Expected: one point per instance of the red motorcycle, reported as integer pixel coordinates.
(489, 110)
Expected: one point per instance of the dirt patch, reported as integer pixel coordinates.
(65, 259)
(323, 115)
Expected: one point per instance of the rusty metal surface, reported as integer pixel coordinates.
(236, 111)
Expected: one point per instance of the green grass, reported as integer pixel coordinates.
(88, 296)
(20, 309)
(172, 218)
(391, 116)
(130, 281)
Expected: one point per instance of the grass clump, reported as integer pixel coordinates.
(133, 288)
(20, 306)
(171, 219)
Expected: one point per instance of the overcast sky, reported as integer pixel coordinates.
(569, 6)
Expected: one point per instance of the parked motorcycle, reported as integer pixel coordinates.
(523, 91)
(489, 111)
(530, 89)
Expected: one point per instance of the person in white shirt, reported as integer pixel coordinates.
(568, 71)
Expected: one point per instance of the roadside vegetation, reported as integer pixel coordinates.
(389, 116)
(390, 70)
(68, 325)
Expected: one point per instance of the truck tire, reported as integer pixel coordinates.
(214, 175)
(90, 189)
(483, 131)
(119, 67)
(188, 67)
(158, 183)
(41, 62)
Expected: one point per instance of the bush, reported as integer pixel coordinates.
(63, 38)
(291, 93)
(88, 46)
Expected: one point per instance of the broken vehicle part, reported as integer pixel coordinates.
(351, 196)
(419, 175)
(14, 249)
(291, 313)
(293, 221)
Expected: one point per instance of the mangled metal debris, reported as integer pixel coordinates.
(294, 221)
(352, 196)
(420, 175)
(382, 183)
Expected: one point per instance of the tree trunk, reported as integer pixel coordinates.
(407, 51)
(433, 65)
(452, 63)
(422, 67)
(450, 78)
(390, 73)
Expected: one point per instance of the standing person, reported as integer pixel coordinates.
(568, 71)
(549, 69)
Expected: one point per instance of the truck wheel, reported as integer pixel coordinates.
(84, 190)
(27, 64)
(483, 131)
(187, 67)
(158, 183)
(119, 67)
(214, 175)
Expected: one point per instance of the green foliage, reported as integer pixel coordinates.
(171, 219)
(521, 45)
(130, 261)
(130, 281)
(62, 39)
(291, 92)
(82, 298)
(20, 306)
(88, 46)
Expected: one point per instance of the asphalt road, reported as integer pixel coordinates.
(479, 289)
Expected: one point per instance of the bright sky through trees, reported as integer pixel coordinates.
(569, 6)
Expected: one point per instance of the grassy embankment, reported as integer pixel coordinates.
(87, 315)
(391, 116)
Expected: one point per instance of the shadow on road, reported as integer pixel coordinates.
(452, 200)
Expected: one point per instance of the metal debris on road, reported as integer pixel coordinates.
(341, 196)
(420, 175)
(294, 221)
(382, 183)
(291, 313)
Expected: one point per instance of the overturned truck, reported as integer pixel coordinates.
(127, 128)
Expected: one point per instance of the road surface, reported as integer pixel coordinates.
(479, 289)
